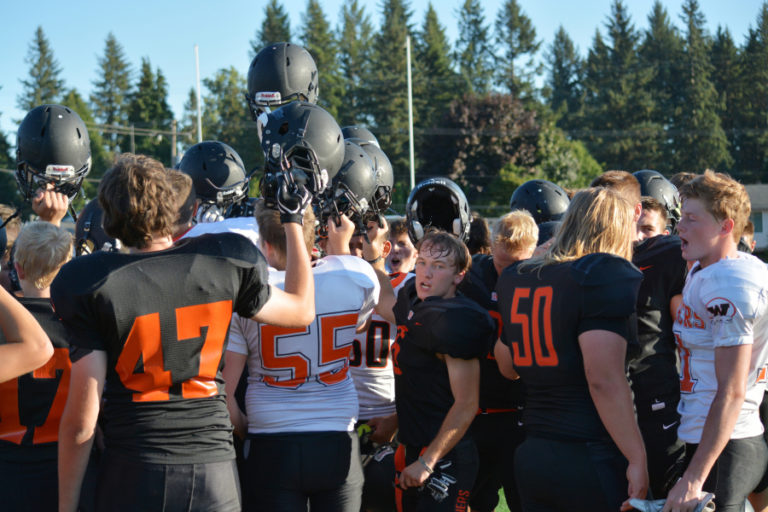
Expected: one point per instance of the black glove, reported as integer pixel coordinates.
(293, 197)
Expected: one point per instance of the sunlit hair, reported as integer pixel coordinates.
(398, 227)
(654, 205)
(597, 220)
(515, 232)
(622, 182)
(681, 178)
(723, 197)
(439, 243)
(41, 250)
(138, 200)
(749, 229)
(272, 231)
(184, 193)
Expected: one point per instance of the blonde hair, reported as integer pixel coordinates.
(723, 197)
(622, 182)
(271, 229)
(515, 232)
(41, 250)
(597, 220)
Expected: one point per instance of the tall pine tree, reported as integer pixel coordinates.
(564, 86)
(320, 41)
(149, 110)
(44, 84)
(275, 28)
(354, 35)
(726, 60)
(516, 37)
(111, 92)
(700, 142)
(474, 51)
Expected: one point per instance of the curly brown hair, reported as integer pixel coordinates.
(138, 200)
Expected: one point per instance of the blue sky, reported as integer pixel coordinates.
(167, 30)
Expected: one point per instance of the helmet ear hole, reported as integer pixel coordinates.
(284, 128)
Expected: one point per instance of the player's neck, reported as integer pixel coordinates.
(724, 251)
(159, 243)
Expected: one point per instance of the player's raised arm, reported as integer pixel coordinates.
(375, 250)
(27, 347)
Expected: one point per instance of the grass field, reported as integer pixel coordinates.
(502, 506)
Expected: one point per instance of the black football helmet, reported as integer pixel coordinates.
(304, 137)
(655, 185)
(280, 73)
(217, 172)
(360, 135)
(89, 232)
(52, 146)
(439, 203)
(543, 199)
(385, 177)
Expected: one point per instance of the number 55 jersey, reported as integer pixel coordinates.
(162, 318)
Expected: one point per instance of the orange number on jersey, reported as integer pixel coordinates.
(532, 326)
(11, 428)
(151, 381)
(329, 352)
(762, 375)
(296, 362)
(687, 382)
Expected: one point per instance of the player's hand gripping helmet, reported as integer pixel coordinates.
(89, 232)
(280, 73)
(52, 146)
(218, 174)
(303, 137)
(360, 135)
(439, 203)
(543, 199)
(655, 185)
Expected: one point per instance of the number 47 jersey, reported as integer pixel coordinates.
(298, 379)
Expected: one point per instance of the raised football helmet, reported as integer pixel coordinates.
(52, 146)
(303, 137)
(438, 203)
(218, 174)
(655, 185)
(543, 199)
(89, 232)
(360, 135)
(280, 73)
(385, 177)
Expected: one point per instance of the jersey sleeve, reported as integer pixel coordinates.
(463, 333)
(609, 287)
(237, 340)
(254, 289)
(365, 277)
(732, 304)
(73, 307)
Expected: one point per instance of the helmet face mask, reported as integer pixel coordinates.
(437, 203)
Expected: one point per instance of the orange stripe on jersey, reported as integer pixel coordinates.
(398, 278)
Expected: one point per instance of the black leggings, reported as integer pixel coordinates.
(553, 476)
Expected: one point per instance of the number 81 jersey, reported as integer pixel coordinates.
(298, 378)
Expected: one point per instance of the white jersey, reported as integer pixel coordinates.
(724, 304)
(298, 379)
(371, 363)
(245, 226)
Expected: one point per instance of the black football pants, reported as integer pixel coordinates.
(658, 421)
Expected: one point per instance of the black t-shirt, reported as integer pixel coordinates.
(163, 320)
(544, 312)
(31, 405)
(496, 391)
(653, 365)
(457, 327)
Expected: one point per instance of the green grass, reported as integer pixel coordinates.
(502, 506)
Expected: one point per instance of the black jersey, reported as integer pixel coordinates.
(457, 327)
(496, 391)
(31, 405)
(653, 365)
(544, 312)
(163, 319)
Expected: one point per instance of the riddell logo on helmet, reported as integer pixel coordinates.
(63, 171)
(268, 96)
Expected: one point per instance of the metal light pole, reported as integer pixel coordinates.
(410, 111)
(199, 107)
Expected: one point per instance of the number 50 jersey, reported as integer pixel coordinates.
(298, 378)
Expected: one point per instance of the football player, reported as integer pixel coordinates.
(402, 257)
(653, 220)
(578, 405)
(652, 363)
(497, 429)
(441, 336)
(301, 404)
(153, 324)
(721, 328)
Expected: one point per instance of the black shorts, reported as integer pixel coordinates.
(554, 475)
(286, 472)
(497, 436)
(460, 467)
(658, 422)
(126, 485)
(736, 473)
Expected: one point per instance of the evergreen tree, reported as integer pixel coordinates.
(188, 125)
(111, 94)
(276, 27)
(725, 58)
(354, 55)
(700, 142)
(661, 53)
(320, 41)
(8, 190)
(473, 48)
(564, 81)
(516, 36)
(387, 99)
(148, 110)
(44, 84)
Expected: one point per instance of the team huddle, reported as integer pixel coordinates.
(193, 348)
